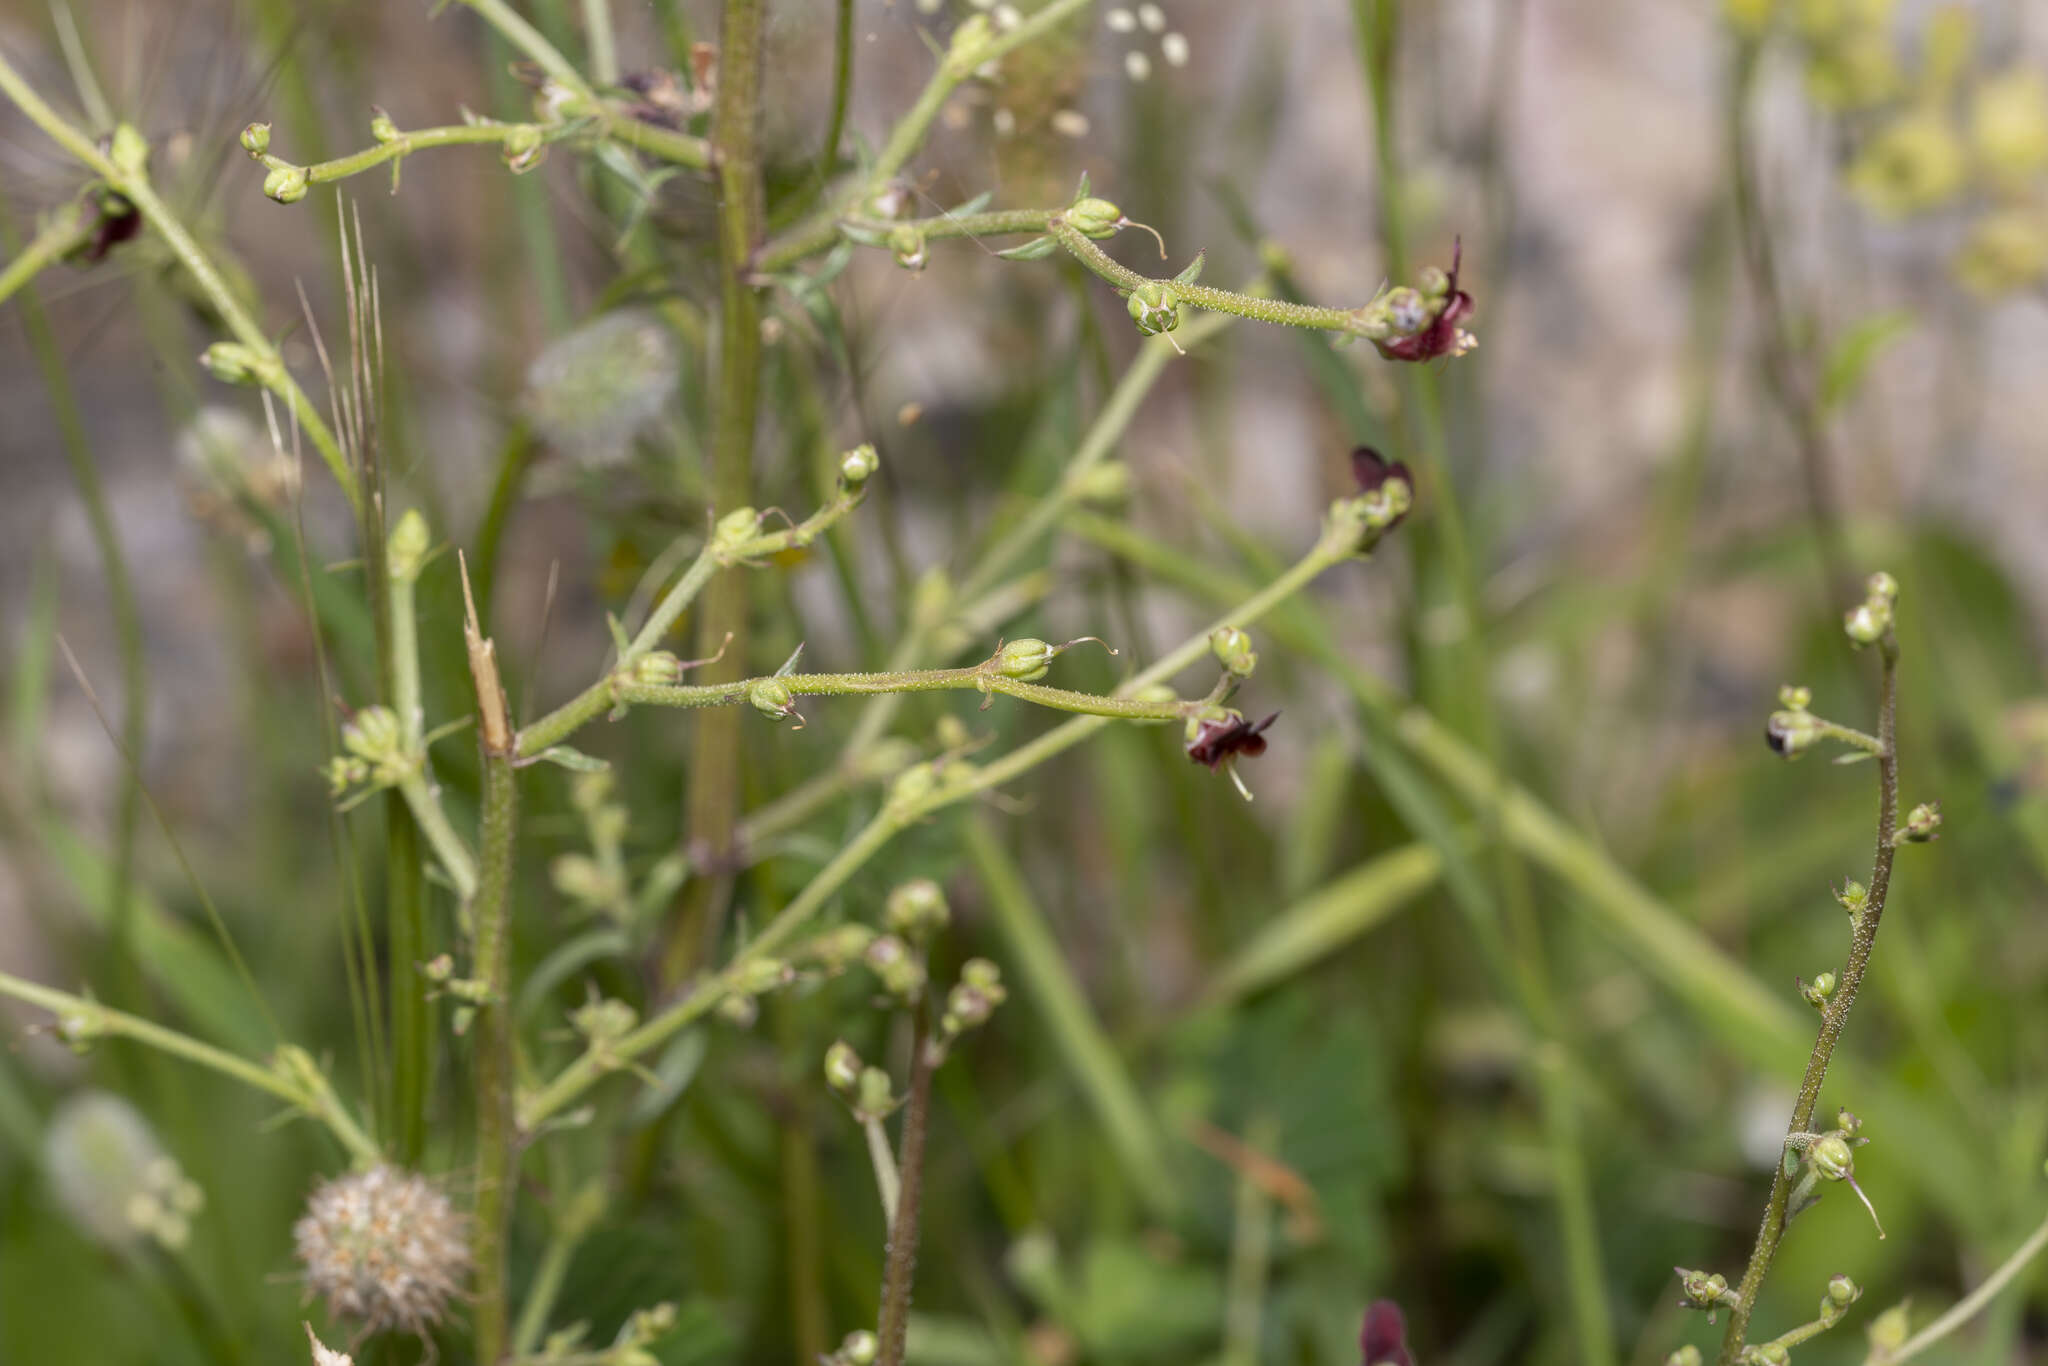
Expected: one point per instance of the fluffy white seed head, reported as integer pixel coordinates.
(385, 1248)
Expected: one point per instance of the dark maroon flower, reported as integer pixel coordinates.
(1374, 471)
(1226, 737)
(115, 221)
(1441, 335)
(1385, 1338)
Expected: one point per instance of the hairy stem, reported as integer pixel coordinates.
(712, 801)
(1836, 1014)
(899, 1267)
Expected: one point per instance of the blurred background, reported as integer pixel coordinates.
(1760, 310)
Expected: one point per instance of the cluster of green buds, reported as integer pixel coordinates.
(1922, 824)
(898, 967)
(1793, 728)
(972, 1000)
(740, 1005)
(916, 910)
(597, 881)
(1829, 1156)
(1854, 898)
(470, 994)
(375, 754)
(1819, 991)
(1871, 620)
(1232, 647)
(731, 533)
(858, 465)
(601, 1021)
(1386, 492)
(112, 1177)
(1705, 1290)
(866, 1090)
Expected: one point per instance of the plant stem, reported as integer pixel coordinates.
(535, 45)
(1264, 309)
(712, 800)
(63, 233)
(977, 678)
(135, 187)
(899, 1268)
(84, 1019)
(597, 34)
(1836, 1014)
(996, 223)
(820, 230)
(1970, 1305)
(1251, 1247)
(491, 912)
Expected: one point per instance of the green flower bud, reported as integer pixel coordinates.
(381, 126)
(872, 1097)
(909, 246)
(233, 363)
(916, 909)
(1233, 649)
(970, 40)
(1882, 587)
(772, 698)
(1832, 1157)
(1433, 282)
(1795, 699)
(287, 184)
(1764, 1354)
(901, 973)
(758, 976)
(1025, 660)
(659, 668)
(1854, 896)
(603, 1020)
(1154, 307)
(129, 150)
(983, 976)
(405, 549)
(375, 736)
(1109, 482)
(1818, 990)
(1843, 1292)
(738, 1010)
(859, 1348)
(1922, 823)
(256, 139)
(836, 948)
(913, 785)
(842, 1067)
(1889, 1330)
(735, 529)
(1703, 1290)
(1792, 733)
(966, 1009)
(858, 465)
(1096, 218)
(1687, 1355)
(524, 149)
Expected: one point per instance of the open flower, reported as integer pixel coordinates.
(1384, 1340)
(1374, 472)
(1427, 319)
(1217, 741)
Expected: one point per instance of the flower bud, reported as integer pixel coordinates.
(1793, 698)
(1703, 1290)
(1832, 1157)
(1922, 823)
(1109, 482)
(738, 1010)
(916, 909)
(524, 148)
(1881, 587)
(1766, 1354)
(1889, 1330)
(129, 150)
(1154, 307)
(1842, 1292)
(111, 1176)
(375, 736)
(872, 1097)
(772, 698)
(659, 668)
(1433, 282)
(256, 139)
(966, 1009)
(969, 41)
(858, 465)
(1854, 896)
(838, 947)
(381, 126)
(603, 1020)
(1233, 649)
(913, 785)
(233, 363)
(405, 549)
(982, 975)
(1025, 660)
(842, 1068)
(735, 529)
(1687, 1355)
(859, 1348)
(901, 973)
(758, 976)
(1818, 990)
(287, 184)
(1866, 623)
(1791, 733)
(1096, 218)
(909, 246)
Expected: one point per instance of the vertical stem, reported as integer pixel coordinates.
(713, 798)
(405, 923)
(496, 1135)
(1251, 1248)
(1837, 1013)
(900, 1265)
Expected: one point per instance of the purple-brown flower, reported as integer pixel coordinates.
(1385, 1337)
(1440, 335)
(1222, 738)
(1374, 472)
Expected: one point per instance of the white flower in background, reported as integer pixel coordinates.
(592, 390)
(385, 1248)
(113, 1178)
(1147, 19)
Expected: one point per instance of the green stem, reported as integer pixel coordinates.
(1970, 1305)
(535, 45)
(62, 234)
(423, 799)
(819, 231)
(418, 140)
(496, 1138)
(997, 223)
(82, 1019)
(842, 89)
(1836, 1015)
(712, 799)
(976, 678)
(1269, 310)
(135, 187)
(597, 34)
(1251, 1248)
